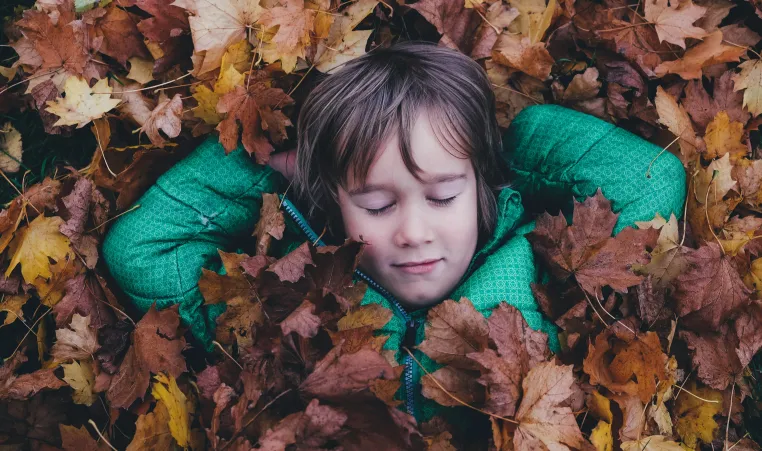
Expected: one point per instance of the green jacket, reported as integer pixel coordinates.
(209, 200)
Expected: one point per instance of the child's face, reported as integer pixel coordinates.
(405, 221)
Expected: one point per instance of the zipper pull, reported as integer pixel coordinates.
(411, 330)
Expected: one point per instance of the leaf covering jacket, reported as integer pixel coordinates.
(209, 200)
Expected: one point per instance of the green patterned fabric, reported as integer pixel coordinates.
(206, 201)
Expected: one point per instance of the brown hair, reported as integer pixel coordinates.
(345, 119)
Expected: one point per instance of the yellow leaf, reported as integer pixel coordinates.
(695, 418)
(165, 389)
(34, 244)
(152, 431)
(337, 52)
(82, 104)
(601, 437)
(8, 72)
(207, 99)
(723, 136)
(754, 278)
(600, 407)
(80, 377)
(750, 78)
(652, 443)
(237, 55)
(12, 305)
(537, 29)
(10, 148)
(140, 70)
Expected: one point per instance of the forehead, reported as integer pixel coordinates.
(426, 151)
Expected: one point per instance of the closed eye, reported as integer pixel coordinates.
(437, 202)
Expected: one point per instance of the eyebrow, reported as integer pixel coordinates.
(441, 178)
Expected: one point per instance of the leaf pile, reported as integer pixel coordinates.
(659, 325)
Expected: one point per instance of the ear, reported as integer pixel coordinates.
(284, 162)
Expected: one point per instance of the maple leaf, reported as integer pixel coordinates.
(165, 117)
(710, 51)
(302, 321)
(121, 39)
(724, 137)
(519, 348)
(694, 417)
(673, 22)
(59, 41)
(12, 305)
(676, 119)
(750, 79)
(498, 17)
(77, 342)
(217, 25)
(667, 258)
(79, 375)
(82, 104)
(708, 208)
(586, 249)
(34, 244)
(452, 19)
(520, 53)
(703, 108)
(152, 431)
(356, 328)
(453, 330)
(748, 327)
(710, 290)
(544, 420)
(714, 356)
(254, 110)
(230, 76)
(294, 21)
(340, 375)
(10, 148)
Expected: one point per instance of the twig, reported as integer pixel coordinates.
(730, 412)
(226, 353)
(95, 426)
(145, 89)
(134, 207)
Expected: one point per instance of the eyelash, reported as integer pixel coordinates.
(438, 202)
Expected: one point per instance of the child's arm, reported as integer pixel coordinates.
(556, 153)
(204, 202)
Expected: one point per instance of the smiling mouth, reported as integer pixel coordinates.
(421, 267)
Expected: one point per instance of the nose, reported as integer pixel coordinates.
(413, 229)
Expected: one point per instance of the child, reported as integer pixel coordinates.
(400, 148)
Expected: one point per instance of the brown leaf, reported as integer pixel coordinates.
(83, 296)
(674, 22)
(121, 38)
(520, 53)
(710, 290)
(25, 386)
(714, 356)
(586, 249)
(302, 321)
(340, 375)
(158, 342)
(245, 107)
(703, 108)
(77, 342)
(77, 204)
(453, 21)
(165, 117)
(544, 420)
(710, 51)
(79, 439)
(459, 383)
(291, 267)
(453, 330)
(271, 223)
(311, 428)
(633, 367)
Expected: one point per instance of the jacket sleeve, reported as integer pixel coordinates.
(556, 153)
(203, 203)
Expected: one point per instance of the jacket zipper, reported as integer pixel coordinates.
(411, 325)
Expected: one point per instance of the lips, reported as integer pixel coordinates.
(420, 267)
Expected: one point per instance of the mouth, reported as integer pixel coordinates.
(420, 267)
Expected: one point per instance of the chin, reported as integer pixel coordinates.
(420, 300)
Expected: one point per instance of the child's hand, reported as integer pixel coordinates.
(284, 162)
